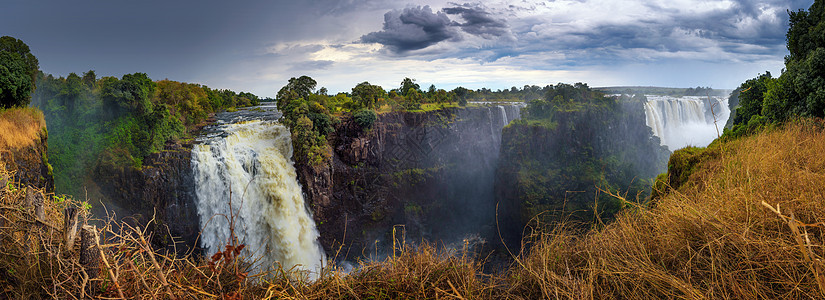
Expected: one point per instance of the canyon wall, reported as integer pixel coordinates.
(427, 174)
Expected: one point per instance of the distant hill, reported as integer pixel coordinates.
(664, 91)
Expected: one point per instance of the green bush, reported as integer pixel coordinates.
(365, 118)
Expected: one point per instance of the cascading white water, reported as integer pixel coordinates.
(503, 112)
(683, 121)
(249, 165)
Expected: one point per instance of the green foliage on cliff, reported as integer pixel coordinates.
(309, 117)
(309, 144)
(365, 118)
(116, 123)
(800, 90)
(573, 147)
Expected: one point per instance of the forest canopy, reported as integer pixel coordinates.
(115, 122)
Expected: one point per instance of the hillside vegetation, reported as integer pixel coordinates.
(114, 123)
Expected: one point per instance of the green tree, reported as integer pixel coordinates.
(71, 92)
(132, 93)
(90, 79)
(407, 85)
(309, 145)
(751, 97)
(431, 91)
(461, 94)
(367, 94)
(414, 99)
(806, 32)
(300, 87)
(18, 72)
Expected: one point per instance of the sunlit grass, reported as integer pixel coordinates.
(20, 127)
(712, 238)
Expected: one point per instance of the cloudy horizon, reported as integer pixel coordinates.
(257, 46)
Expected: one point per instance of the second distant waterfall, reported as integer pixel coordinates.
(686, 121)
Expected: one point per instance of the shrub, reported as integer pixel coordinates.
(365, 118)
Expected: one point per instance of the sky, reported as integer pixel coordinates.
(256, 46)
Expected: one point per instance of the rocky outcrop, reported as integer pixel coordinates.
(429, 173)
(30, 164)
(162, 190)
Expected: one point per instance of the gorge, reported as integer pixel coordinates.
(436, 176)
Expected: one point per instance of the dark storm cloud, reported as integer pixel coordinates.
(478, 21)
(745, 31)
(412, 28)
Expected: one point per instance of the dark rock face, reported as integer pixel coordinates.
(430, 173)
(30, 164)
(163, 187)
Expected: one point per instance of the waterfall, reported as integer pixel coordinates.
(503, 112)
(683, 121)
(248, 164)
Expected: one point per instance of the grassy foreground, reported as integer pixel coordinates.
(738, 220)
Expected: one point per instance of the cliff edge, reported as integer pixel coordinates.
(23, 147)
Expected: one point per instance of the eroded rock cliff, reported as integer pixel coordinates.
(428, 175)
(162, 190)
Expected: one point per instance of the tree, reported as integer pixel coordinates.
(806, 33)
(751, 97)
(442, 96)
(367, 94)
(18, 72)
(300, 87)
(800, 89)
(461, 94)
(409, 84)
(70, 92)
(414, 98)
(132, 93)
(90, 79)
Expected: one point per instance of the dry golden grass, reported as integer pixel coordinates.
(20, 127)
(747, 224)
(712, 238)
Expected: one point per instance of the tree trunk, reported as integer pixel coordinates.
(89, 255)
(34, 199)
(70, 224)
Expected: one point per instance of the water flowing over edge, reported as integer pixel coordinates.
(249, 165)
(686, 121)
